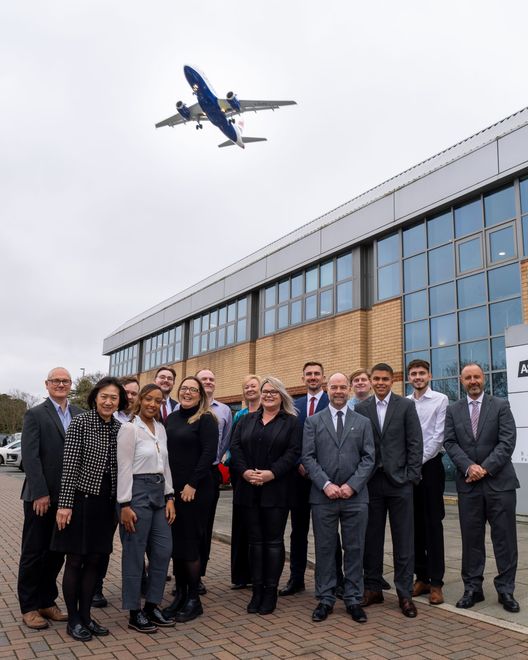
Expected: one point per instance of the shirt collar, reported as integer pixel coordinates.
(334, 411)
(317, 396)
(58, 407)
(480, 399)
(426, 395)
(385, 400)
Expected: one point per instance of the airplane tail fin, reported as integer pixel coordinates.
(245, 140)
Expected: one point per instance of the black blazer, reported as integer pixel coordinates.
(301, 403)
(492, 448)
(283, 455)
(399, 447)
(42, 450)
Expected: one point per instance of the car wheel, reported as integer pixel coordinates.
(1, 460)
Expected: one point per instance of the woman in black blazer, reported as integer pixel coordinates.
(265, 449)
(87, 503)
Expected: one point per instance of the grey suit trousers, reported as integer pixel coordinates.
(152, 536)
(352, 517)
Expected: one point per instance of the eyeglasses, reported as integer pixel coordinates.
(270, 393)
(186, 388)
(59, 381)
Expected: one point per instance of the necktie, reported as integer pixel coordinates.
(164, 411)
(381, 413)
(474, 417)
(312, 406)
(339, 425)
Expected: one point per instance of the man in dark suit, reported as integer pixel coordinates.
(480, 438)
(43, 436)
(315, 400)
(165, 378)
(338, 453)
(399, 451)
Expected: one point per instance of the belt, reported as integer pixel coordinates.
(153, 478)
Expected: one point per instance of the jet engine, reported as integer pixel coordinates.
(233, 101)
(183, 110)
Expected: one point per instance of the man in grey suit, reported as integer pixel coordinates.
(480, 438)
(338, 454)
(399, 451)
(43, 436)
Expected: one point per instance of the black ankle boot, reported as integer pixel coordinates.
(190, 610)
(178, 602)
(269, 600)
(256, 599)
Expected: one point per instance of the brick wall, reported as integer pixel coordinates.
(385, 338)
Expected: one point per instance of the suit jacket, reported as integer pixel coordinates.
(301, 404)
(42, 449)
(399, 447)
(349, 461)
(492, 448)
(283, 454)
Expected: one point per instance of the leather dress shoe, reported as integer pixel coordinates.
(96, 629)
(34, 620)
(180, 596)
(202, 590)
(156, 616)
(436, 597)
(292, 587)
(190, 610)
(509, 603)
(385, 585)
(138, 621)
(469, 598)
(357, 613)
(371, 598)
(321, 612)
(408, 608)
(53, 613)
(99, 600)
(420, 588)
(79, 632)
(239, 585)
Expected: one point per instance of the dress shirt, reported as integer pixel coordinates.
(431, 408)
(382, 410)
(64, 415)
(141, 452)
(225, 422)
(334, 411)
(122, 416)
(316, 402)
(470, 403)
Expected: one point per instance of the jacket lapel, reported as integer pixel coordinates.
(55, 417)
(484, 409)
(326, 416)
(466, 418)
(393, 402)
(348, 425)
(373, 414)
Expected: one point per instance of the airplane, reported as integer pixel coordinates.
(220, 112)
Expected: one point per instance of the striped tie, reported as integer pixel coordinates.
(474, 418)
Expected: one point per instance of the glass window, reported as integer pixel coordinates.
(417, 355)
(284, 290)
(203, 343)
(231, 312)
(310, 308)
(196, 344)
(500, 384)
(440, 229)
(498, 353)
(441, 267)
(197, 325)
(443, 330)
(311, 279)
(504, 282)
(414, 273)
(221, 336)
(471, 290)
(444, 361)
(468, 218)
(524, 195)
(344, 296)
(214, 317)
(442, 298)
(475, 351)
(230, 334)
(326, 303)
(448, 386)
(296, 312)
(205, 322)
(283, 316)
(389, 281)
(222, 316)
(415, 306)
(242, 307)
(297, 288)
(473, 323)
(388, 250)
(326, 274)
(241, 330)
(212, 340)
(270, 296)
(504, 314)
(416, 335)
(499, 206)
(414, 240)
(269, 321)
(344, 267)
(525, 235)
(502, 244)
(469, 255)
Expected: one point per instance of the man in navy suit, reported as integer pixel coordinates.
(316, 399)
(165, 378)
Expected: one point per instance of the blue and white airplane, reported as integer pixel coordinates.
(219, 112)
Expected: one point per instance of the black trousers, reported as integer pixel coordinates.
(205, 548)
(266, 527)
(39, 566)
(397, 501)
(240, 571)
(429, 511)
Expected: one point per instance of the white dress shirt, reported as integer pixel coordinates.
(470, 403)
(141, 452)
(334, 411)
(431, 408)
(316, 402)
(382, 409)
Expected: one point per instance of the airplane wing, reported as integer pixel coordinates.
(196, 114)
(252, 106)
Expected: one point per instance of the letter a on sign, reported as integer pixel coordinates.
(523, 369)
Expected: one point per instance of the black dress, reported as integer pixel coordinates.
(192, 450)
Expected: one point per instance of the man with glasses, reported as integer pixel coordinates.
(165, 379)
(43, 436)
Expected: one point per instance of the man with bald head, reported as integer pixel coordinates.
(43, 436)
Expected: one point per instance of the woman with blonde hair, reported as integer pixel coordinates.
(265, 447)
(192, 440)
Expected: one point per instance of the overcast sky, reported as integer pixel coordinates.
(103, 216)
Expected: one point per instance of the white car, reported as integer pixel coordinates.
(15, 444)
(14, 457)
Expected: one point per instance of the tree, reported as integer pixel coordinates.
(82, 387)
(12, 411)
(30, 399)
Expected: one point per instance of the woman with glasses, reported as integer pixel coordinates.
(87, 503)
(265, 447)
(192, 440)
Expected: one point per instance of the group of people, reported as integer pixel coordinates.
(347, 457)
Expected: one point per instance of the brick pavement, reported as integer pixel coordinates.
(226, 631)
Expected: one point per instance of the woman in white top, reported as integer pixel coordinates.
(146, 497)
